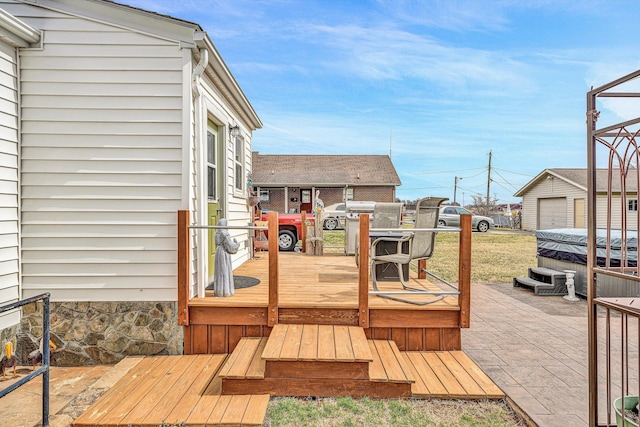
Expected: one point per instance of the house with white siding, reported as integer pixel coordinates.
(112, 119)
(556, 198)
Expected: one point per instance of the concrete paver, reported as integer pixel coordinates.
(71, 392)
(535, 349)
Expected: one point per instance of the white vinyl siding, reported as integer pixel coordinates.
(616, 212)
(101, 160)
(555, 188)
(9, 228)
(549, 189)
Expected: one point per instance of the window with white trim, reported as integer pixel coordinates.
(347, 194)
(632, 205)
(239, 163)
(264, 195)
(211, 166)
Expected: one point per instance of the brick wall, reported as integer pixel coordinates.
(329, 196)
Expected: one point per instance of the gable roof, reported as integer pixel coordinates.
(323, 170)
(578, 178)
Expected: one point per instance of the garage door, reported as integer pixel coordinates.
(552, 213)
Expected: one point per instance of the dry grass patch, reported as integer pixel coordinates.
(495, 258)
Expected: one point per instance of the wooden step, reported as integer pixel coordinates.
(246, 360)
(388, 364)
(449, 374)
(304, 375)
(326, 343)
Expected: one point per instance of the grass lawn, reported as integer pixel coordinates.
(496, 258)
(345, 411)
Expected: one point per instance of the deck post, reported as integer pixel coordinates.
(272, 318)
(363, 272)
(422, 266)
(183, 268)
(464, 270)
(303, 232)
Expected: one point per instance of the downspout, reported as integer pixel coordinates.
(199, 140)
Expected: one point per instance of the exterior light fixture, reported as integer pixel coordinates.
(234, 131)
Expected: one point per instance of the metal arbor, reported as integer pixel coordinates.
(613, 158)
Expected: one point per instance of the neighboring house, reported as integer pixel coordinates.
(556, 198)
(113, 118)
(288, 183)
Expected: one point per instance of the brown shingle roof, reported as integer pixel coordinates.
(333, 170)
(578, 177)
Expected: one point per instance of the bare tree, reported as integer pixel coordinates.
(480, 205)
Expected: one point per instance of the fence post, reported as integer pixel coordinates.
(274, 274)
(464, 270)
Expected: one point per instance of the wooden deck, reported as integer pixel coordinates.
(321, 290)
(191, 389)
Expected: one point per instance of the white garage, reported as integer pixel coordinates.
(556, 198)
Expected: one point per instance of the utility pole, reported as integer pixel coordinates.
(488, 183)
(455, 188)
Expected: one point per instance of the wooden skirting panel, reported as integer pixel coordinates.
(419, 339)
(211, 339)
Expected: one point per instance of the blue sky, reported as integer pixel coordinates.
(440, 83)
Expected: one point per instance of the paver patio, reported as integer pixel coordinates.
(535, 348)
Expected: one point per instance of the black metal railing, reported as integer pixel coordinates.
(44, 369)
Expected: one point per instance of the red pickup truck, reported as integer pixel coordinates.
(289, 229)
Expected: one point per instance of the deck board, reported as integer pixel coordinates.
(326, 343)
(309, 343)
(256, 369)
(244, 359)
(291, 343)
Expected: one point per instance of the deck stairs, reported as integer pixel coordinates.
(543, 281)
(317, 360)
(295, 360)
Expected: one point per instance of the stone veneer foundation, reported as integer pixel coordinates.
(88, 333)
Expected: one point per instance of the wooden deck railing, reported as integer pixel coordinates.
(464, 270)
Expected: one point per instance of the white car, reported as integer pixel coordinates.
(334, 216)
(450, 216)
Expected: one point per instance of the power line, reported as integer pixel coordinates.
(505, 180)
(516, 173)
(448, 171)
